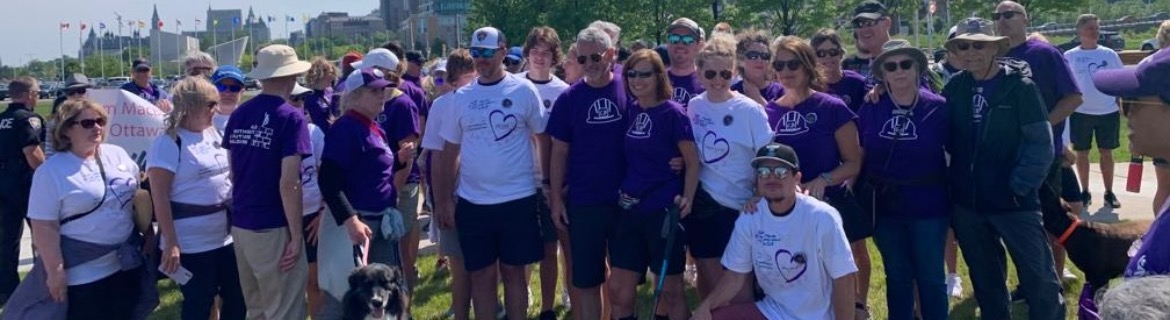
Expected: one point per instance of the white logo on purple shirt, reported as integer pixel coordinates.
(791, 124)
(899, 127)
(681, 95)
(641, 127)
(603, 111)
(980, 104)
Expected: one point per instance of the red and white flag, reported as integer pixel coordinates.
(160, 24)
(64, 26)
(83, 26)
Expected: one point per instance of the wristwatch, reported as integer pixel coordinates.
(828, 178)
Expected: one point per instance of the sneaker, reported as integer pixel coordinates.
(1068, 275)
(955, 285)
(1111, 200)
(1086, 199)
(862, 312)
(565, 300)
(548, 315)
(691, 275)
(1017, 297)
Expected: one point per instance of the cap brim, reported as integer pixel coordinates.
(694, 31)
(756, 161)
(868, 15)
(1119, 83)
(378, 84)
(141, 68)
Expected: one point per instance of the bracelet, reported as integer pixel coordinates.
(828, 178)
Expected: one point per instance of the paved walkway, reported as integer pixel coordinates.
(1134, 206)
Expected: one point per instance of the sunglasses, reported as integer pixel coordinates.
(679, 38)
(596, 57)
(227, 88)
(710, 74)
(792, 65)
(297, 98)
(511, 62)
(635, 74)
(482, 53)
(1128, 105)
(439, 81)
(778, 172)
(963, 46)
(756, 55)
(892, 66)
(864, 23)
(89, 123)
(75, 91)
(1005, 15)
(829, 53)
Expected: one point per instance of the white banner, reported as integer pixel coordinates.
(134, 122)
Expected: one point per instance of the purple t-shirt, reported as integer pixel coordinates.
(593, 121)
(685, 87)
(1048, 68)
(770, 92)
(367, 160)
(1153, 256)
(399, 120)
(651, 141)
(260, 134)
(319, 105)
(851, 89)
(984, 90)
(413, 80)
(904, 149)
(809, 128)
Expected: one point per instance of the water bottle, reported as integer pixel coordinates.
(1133, 181)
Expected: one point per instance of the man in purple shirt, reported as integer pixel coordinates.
(141, 86)
(684, 38)
(266, 139)
(587, 124)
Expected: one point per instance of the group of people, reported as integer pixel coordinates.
(762, 164)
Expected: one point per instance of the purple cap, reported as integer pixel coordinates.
(1150, 78)
(371, 78)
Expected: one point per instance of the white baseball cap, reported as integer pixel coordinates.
(487, 37)
(379, 57)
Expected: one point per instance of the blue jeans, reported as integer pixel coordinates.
(912, 250)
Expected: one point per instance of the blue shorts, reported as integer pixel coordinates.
(506, 232)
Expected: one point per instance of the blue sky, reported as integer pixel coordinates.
(31, 31)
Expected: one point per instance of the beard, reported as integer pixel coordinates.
(775, 199)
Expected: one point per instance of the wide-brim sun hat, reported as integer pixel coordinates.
(278, 60)
(896, 47)
(978, 30)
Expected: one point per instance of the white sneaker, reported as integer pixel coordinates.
(955, 285)
(1068, 275)
(691, 275)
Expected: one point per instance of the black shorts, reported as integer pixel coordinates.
(311, 248)
(1052, 188)
(709, 226)
(1159, 162)
(591, 228)
(506, 232)
(548, 230)
(639, 244)
(1070, 188)
(858, 223)
(1106, 127)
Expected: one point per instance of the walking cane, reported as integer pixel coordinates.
(669, 230)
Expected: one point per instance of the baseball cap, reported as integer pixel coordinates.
(349, 58)
(487, 37)
(777, 152)
(688, 24)
(379, 57)
(441, 66)
(227, 72)
(515, 53)
(141, 64)
(1150, 78)
(869, 9)
(415, 56)
(372, 78)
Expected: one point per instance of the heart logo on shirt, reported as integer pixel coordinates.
(791, 266)
(502, 124)
(714, 147)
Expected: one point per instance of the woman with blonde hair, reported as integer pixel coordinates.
(319, 102)
(188, 170)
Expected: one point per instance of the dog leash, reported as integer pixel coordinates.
(1068, 232)
(358, 256)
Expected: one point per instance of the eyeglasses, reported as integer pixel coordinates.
(227, 88)
(89, 123)
(829, 53)
(778, 172)
(964, 45)
(635, 74)
(756, 55)
(891, 66)
(710, 74)
(864, 23)
(596, 57)
(679, 38)
(1005, 15)
(438, 81)
(75, 91)
(511, 62)
(297, 98)
(1127, 105)
(792, 65)
(482, 53)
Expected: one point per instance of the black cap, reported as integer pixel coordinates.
(141, 64)
(777, 152)
(77, 81)
(414, 56)
(869, 9)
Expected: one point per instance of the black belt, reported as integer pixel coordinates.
(181, 211)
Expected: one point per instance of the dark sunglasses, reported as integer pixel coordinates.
(227, 88)
(1006, 15)
(891, 66)
(635, 74)
(679, 38)
(75, 91)
(864, 23)
(829, 53)
(482, 53)
(756, 55)
(297, 98)
(792, 65)
(89, 123)
(511, 62)
(778, 172)
(1128, 105)
(439, 81)
(710, 74)
(964, 45)
(596, 57)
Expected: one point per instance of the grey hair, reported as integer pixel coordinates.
(595, 36)
(196, 56)
(1144, 298)
(610, 28)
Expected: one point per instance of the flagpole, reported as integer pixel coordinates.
(101, 62)
(121, 49)
(178, 44)
(81, 46)
(61, 37)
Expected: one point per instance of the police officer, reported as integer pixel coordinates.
(21, 134)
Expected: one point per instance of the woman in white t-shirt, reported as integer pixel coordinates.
(728, 127)
(188, 170)
(314, 204)
(81, 220)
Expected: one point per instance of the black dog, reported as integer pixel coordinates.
(1100, 250)
(375, 292)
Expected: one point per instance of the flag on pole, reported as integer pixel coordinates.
(130, 23)
(160, 24)
(215, 22)
(291, 19)
(197, 21)
(271, 19)
(178, 23)
(64, 26)
(101, 25)
(304, 17)
(83, 26)
(236, 21)
(141, 24)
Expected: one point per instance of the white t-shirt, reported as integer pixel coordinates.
(494, 124)
(440, 110)
(795, 257)
(65, 185)
(219, 121)
(310, 190)
(549, 92)
(201, 178)
(728, 134)
(1084, 63)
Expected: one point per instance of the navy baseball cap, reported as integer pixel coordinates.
(141, 64)
(227, 72)
(869, 9)
(1150, 78)
(515, 53)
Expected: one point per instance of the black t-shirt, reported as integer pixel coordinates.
(19, 128)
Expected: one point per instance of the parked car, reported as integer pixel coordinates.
(1108, 39)
(117, 82)
(1151, 44)
(1160, 16)
(251, 83)
(3, 92)
(48, 91)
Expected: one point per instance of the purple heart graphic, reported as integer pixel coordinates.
(791, 266)
(714, 149)
(502, 124)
